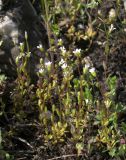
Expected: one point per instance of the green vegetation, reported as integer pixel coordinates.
(73, 107)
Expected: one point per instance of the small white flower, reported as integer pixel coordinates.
(112, 14)
(92, 70)
(1, 42)
(77, 52)
(48, 63)
(61, 62)
(41, 71)
(60, 42)
(21, 44)
(63, 50)
(99, 43)
(88, 62)
(87, 66)
(39, 46)
(111, 28)
(99, 12)
(87, 101)
(124, 4)
(26, 35)
(22, 47)
(64, 66)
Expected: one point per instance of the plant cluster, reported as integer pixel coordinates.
(73, 106)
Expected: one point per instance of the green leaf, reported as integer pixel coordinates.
(112, 152)
(79, 147)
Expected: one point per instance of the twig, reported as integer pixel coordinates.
(22, 158)
(24, 141)
(21, 152)
(26, 125)
(66, 156)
